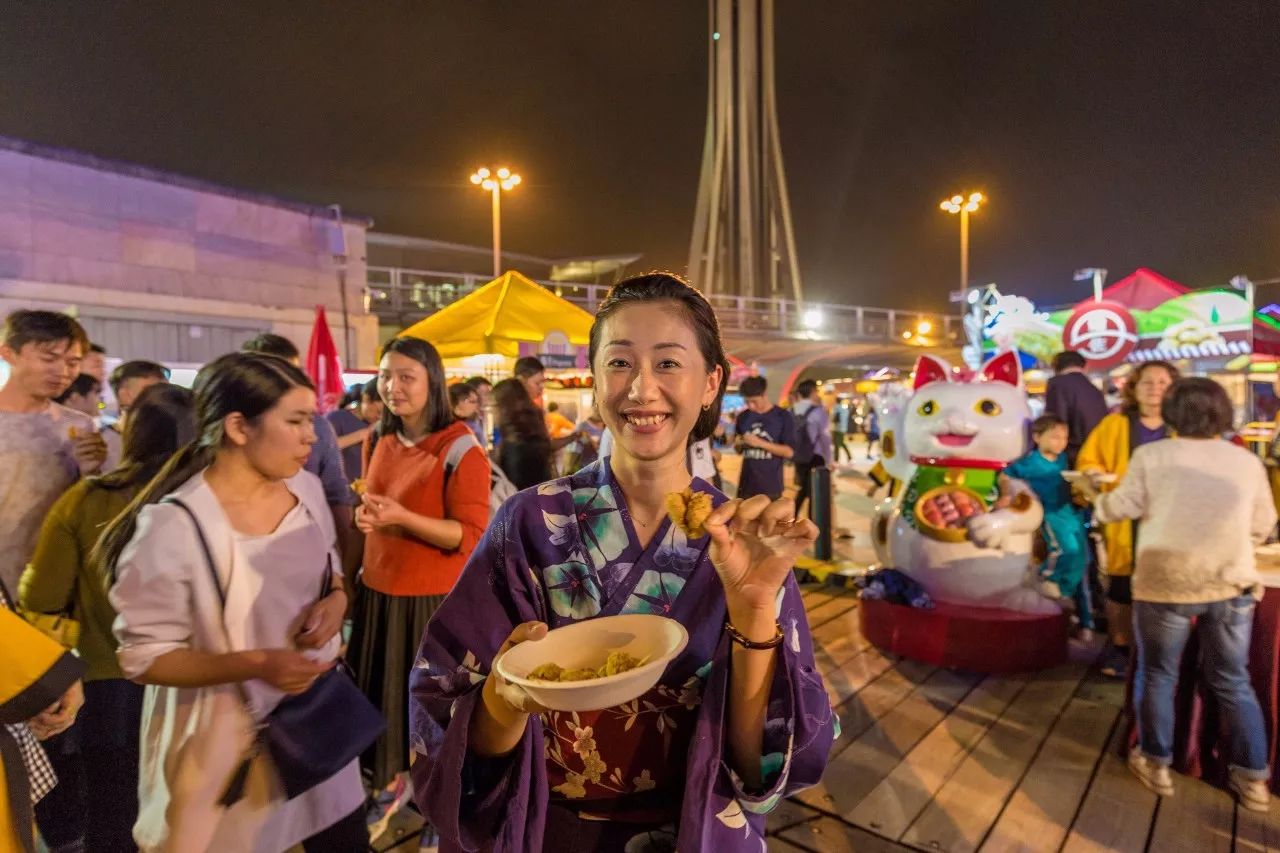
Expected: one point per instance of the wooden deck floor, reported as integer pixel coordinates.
(937, 760)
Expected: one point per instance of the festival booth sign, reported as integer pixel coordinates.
(1143, 317)
(508, 318)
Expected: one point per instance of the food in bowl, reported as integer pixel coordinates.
(688, 511)
(653, 641)
(616, 662)
(944, 512)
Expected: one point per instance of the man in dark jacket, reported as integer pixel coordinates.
(1074, 398)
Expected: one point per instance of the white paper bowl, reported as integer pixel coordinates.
(587, 644)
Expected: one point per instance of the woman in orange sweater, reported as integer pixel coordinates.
(422, 514)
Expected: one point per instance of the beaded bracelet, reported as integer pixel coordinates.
(738, 637)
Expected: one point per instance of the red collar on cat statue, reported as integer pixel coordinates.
(960, 462)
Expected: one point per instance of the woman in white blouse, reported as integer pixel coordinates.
(272, 542)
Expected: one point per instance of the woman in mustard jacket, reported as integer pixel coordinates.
(1107, 450)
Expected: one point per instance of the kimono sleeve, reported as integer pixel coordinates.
(473, 802)
(152, 592)
(799, 730)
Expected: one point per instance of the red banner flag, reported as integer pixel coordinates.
(323, 365)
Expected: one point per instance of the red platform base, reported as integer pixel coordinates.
(978, 639)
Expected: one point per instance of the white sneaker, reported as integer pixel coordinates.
(1253, 794)
(1155, 776)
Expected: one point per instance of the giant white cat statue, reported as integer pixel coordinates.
(947, 532)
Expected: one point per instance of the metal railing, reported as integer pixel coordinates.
(400, 296)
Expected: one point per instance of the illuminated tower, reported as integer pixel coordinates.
(743, 243)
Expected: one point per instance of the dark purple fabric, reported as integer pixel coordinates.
(565, 552)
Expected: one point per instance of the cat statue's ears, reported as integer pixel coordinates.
(1003, 368)
(930, 369)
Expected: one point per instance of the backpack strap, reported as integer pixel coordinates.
(458, 449)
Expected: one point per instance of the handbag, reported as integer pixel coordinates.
(309, 736)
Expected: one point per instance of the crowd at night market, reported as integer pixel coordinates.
(233, 623)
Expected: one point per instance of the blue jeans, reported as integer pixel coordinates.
(1225, 628)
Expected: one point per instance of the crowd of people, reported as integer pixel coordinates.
(213, 565)
(1180, 508)
(187, 581)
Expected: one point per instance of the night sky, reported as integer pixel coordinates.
(1115, 134)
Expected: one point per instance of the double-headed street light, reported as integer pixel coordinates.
(964, 206)
(495, 182)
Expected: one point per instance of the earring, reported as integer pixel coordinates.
(707, 407)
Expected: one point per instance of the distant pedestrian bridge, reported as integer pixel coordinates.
(767, 330)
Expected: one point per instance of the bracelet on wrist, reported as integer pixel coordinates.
(738, 637)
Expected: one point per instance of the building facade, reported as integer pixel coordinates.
(167, 268)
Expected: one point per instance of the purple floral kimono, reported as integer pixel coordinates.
(648, 775)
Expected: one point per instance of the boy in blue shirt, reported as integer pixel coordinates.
(1064, 569)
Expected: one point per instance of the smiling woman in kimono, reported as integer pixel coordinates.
(739, 720)
(218, 659)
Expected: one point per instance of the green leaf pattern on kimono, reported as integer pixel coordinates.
(572, 588)
(604, 537)
(655, 593)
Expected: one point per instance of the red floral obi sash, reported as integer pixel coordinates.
(626, 763)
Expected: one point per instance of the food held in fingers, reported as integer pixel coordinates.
(689, 510)
(359, 486)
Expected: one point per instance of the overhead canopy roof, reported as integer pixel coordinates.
(498, 317)
(1144, 290)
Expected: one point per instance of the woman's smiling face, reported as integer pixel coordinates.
(651, 379)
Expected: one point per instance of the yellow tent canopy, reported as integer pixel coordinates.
(498, 317)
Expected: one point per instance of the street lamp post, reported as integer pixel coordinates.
(495, 182)
(963, 206)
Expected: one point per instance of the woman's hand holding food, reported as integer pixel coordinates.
(89, 450)
(754, 546)
(504, 700)
(377, 512)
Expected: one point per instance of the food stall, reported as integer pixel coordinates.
(1143, 317)
(484, 333)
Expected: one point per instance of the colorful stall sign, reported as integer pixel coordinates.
(1141, 318)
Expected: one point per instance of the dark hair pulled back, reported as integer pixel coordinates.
(244, 382)
(696, 311)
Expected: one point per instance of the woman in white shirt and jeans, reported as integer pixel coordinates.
(272, 542)
(1204, 504)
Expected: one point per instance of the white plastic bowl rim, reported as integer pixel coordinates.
(662, 662)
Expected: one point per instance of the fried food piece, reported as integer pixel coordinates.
(73, 433)
(688, 510)
(617, 662)
(359, 486)
(546, 672)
